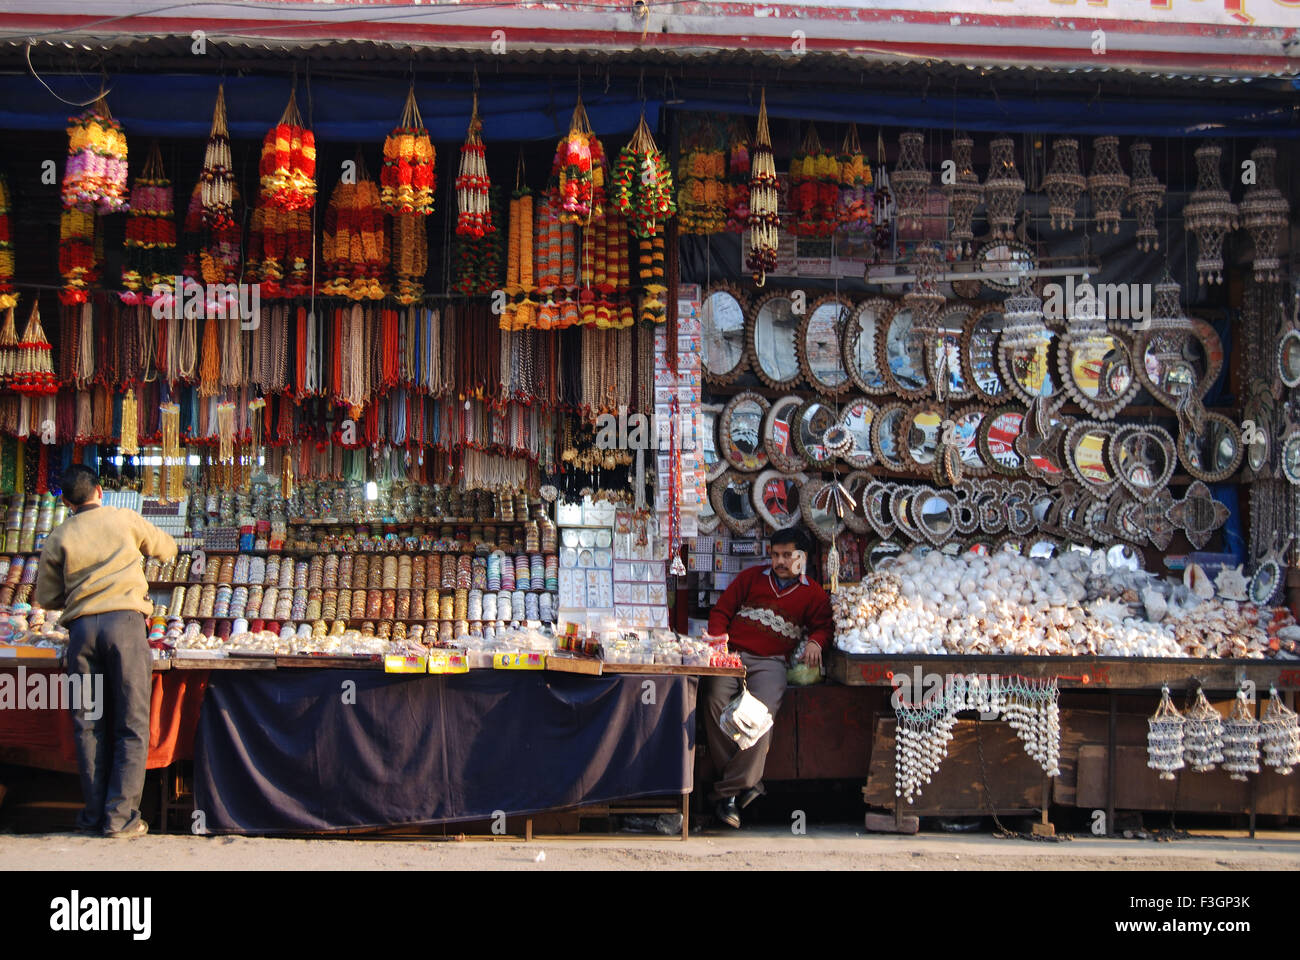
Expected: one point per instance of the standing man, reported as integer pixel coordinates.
(90, 569)
(765, 612)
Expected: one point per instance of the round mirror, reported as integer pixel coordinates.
(882, 554)
(811, 421)
(1264, 584)
(922, 430)
(1086, 455)
(1257, 423)
(1291, 456)
(857, 418)
(1028, 371)
(822, 521)
(773, 341)
(1097, 371)
(885, 434)
(740, 432)
(722, 328)
(714, 464)
(776, 498)
(997, 437)
(732, 502)
(1215, 453)
(983, 329)
(778, 435)
(1122, 556)
(1288, 358)
(900, 506)
(821, 339)
(1143, 459)
(935, 515)
(902, 355)
(1001, 262)
(861, 348)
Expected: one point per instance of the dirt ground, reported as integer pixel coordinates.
(763, 848)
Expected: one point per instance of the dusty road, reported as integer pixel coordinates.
(824, 848)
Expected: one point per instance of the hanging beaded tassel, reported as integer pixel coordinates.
(1146, 195)
(1209, 213)
(34, 369)
(286, 475)
(474, 215)
(1264, 213)
(149, 488)
(226, 432)
(1241, 739)
(1107, 183)
(1202, 735)
(1279, 730)
(1165, 737)
(8, 349)
(1003, 188)
(763, 221)
(1064, 183)
(210, 366)
(129, 443)
(173, 467)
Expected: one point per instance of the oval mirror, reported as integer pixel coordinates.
(1215, 453)
(1290, 456)
(857, 418)
(1097, 371)
(1030, 371)
(922, 429)
(1288, 358)
(773, 341)
(740, 431)
(966, 431)
(1000, 263)
(778, 435)
(886, 432)
(983, 329)
(811, 421)
(821, 345)
(902, 353)
(935, 515)
(861, 348)
(882, 554)
(733, 504)
(1086, 455)
(998, 432)
(955, 380)
(900, 506)
(1143, 459)
(856, 483)
(1264, 584)
(714, 464)
(776, 498)
(1123, 556)
(722, 328)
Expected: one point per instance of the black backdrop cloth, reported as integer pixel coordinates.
(282, 752)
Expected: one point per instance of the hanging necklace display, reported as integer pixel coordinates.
(911, 180)
(1209, 213)
(1264, 214)
(1241, 736)
(964, 195)
(1165, 737)
(1003, 188)
(1064, 183)
(1107, 183)
(1279, 734)
(1146, 195)
(1202, 735)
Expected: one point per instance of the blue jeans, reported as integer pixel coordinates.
(112, 748)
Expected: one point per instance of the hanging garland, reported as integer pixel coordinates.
(355, 246)
(519, 313)
(149, 257)
(702, 195)
(764, 223)
(409, 180)
(738, 176)
(8, 299)
(814, 189)
(95, 176)
(473, 202)
(78, 264)
(410, 257)
(653, 285)
(288, 165)
(217, 179)
(476, 259)
(34, 367)
(578, 172)
(643, 184)
(855, 200)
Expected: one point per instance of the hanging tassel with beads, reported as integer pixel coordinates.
(173, 468)
(833, 566)
(286, 475)
(226, 432)
(129, 444)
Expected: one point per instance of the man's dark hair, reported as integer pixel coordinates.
(79, 483)
(791, 535)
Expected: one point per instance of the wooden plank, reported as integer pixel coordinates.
(668, 669)
(587, 666)
(226, 663)
(331, 663)
(835, 730)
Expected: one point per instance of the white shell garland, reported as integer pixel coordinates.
(1241, 739)
(1202, 735)
(1279, 730)
(1165, 737)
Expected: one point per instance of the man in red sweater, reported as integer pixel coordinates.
(765, 613)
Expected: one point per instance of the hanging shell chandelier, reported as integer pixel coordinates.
(964, 194)
(1022, 315)
(1107, 183)
(924, 299)
(1210, 214)
(1146, 195)
(911, 179)
(1064, 183)
(1003, 188)
(1264, 214)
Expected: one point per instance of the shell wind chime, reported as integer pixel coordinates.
(1146, 195)
(287, 170)
(1202, 735)
(95, 178)
(1108, 184)
(1064, 183)
(1165, 738)
(925, 300)
(1264, 214)
(1003, 188)
(764, 222)
(1279, 730)
(965, 194)
(1209, 213)
(1241, 736)
(1022, 313)
(473, 201)
(911, 179)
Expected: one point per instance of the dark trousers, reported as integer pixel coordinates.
(739, 770)
(112, 747)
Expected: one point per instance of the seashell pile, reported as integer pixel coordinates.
(1014, 605)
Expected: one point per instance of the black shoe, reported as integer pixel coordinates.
(139, 829)
(727, 812)
(749, 796)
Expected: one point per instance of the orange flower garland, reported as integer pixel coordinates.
(355, 246)
(408, 180)
(288, 165)
(410, 257)
(95, 177)
(77, 261)
(701, 175)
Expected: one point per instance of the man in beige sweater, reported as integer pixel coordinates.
(90, 569)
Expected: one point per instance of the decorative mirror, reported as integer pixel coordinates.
(955, 382)
(1124, 519)
(1257, 423)
(1019, 509)
(1267, 578)
(1043, 453)
(1085, 455)
(865, 328)
(1173, 361)
(992, 516)
(732, 502)
(1291, 456)
(900, 506)
(857, 417)
(821, 521)
(1122, 556)
(1156, 524)
(886, 433)
(857, 483)
(1001, 257)
(709, 520)
(881, 554)
(722, 326)
(1010, 543)
(821, 343)
(1198, 514)
(1288, 358)
(1097, 371)
(875, 504)
(983, 328)
(778, 435)
(1213, 454)
(965, 516)
(921, 431)
(901, 355)
(740, 432)
(997, 438)
(935, 514)
(1143, 459)
(772, 343)
(811, 421)
(713, 463)
(776, 498)
(1029, 372)
(966, 431)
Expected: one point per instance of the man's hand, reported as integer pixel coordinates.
(812, 654)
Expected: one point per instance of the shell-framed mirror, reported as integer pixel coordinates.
(921, 432)
(1030, 372)
(822, 521)
(901, 354)
(811, 421)
(1288, 358)
(1215, 453)
(997, 438)
(1143, 459)
(881, 554)
(875, 504)
(722, 326)
(857, 483)
(1173, 361)
(776, 498)
(1086, 455)
(862, 334)
(740, 432)
(733, 502)
(772, 336)
(934, 513)
(981, 339)
(1097, 372)
(821, 346)
(857, 417)
(714, 463)
(887, 433)
(954, 381)
(966, 424)
(778, 434)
